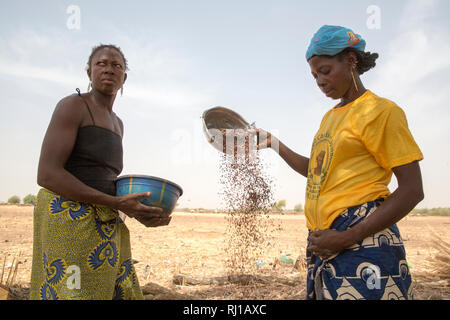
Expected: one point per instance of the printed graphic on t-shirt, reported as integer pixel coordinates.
(320, 160)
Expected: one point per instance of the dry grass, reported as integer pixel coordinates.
(8, 276)
(434, 279)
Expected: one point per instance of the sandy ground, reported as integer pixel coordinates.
(193, 245)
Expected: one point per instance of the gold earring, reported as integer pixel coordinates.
(121, 91)
(354, 81)
(89, 87)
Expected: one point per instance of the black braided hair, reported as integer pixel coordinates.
(366, 60)
(109, 46)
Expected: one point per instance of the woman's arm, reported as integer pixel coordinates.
(297, 162)
(56, 148)
(409, 193)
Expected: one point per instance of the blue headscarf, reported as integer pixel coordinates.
(330, 40)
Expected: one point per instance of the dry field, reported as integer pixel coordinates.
(186, 259)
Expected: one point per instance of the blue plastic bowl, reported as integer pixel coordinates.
(164, 192)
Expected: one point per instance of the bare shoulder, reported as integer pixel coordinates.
(70, 102)
(70, 109)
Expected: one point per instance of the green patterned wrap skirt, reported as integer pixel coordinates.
(80, 251)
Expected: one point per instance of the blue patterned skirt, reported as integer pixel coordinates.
(373, 269)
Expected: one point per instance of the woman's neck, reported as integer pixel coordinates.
(103, 100)
(353, 93)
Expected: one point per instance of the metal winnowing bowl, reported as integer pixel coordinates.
(226, 130)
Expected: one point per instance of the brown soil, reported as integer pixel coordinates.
(193, 245)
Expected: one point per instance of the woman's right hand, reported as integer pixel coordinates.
(132, 207)
(265, 139)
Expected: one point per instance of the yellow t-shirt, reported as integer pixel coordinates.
(352, 155)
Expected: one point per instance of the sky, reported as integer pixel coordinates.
(188, 56)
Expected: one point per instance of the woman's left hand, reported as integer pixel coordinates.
(327, 243)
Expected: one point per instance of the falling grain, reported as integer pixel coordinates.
(247, 196)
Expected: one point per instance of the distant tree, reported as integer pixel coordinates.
(278, 206)
(29, 199)
(14, 200)
(432, 211)
(298, 208)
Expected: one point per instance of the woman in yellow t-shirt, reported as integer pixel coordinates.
(354, 249)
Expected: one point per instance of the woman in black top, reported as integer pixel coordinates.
(81, 247)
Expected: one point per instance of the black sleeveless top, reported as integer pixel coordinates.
(97, 157)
